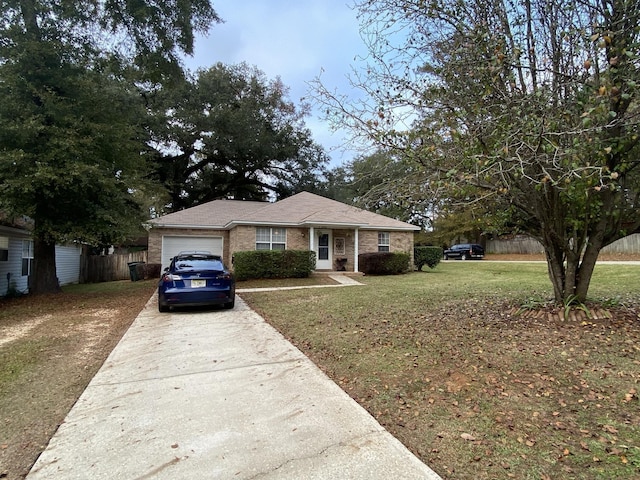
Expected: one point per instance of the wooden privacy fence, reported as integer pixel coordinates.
(108, 268)
(527, 245)
(630, 244)
(519, 244)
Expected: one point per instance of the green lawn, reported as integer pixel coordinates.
(443, 362)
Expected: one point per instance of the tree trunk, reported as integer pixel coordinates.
(43, 278)
(555, 267)
(570, 274)
(583, 277)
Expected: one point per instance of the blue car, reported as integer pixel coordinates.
(194, 279)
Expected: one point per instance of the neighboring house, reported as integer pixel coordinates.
(16, 260)
(338, 233)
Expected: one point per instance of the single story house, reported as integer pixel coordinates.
(337, 232)
(16, 259)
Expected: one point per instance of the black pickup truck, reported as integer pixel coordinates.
(464, 251)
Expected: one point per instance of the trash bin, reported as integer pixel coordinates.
(133, 270)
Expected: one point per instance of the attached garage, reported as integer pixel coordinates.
(174, 244)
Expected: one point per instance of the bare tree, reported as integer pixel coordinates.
(532, 104)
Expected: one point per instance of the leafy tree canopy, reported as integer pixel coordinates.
(70, 112)
(229, 132)
(385, 183)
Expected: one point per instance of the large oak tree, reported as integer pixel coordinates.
(71, 116)
(229, 132)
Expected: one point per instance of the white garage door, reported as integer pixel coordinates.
(172, 245)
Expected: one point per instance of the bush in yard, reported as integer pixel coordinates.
(273, 264)
(383, 263)
(429, 256)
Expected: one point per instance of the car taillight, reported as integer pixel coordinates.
(168, 277)
(224, 276)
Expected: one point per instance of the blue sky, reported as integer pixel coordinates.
(295, 40)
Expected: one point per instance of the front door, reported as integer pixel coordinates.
(323, 261)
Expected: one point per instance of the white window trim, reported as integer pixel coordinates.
(386, 236)
(28, 257)
(271, 241)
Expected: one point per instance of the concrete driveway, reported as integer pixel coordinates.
(218, 394)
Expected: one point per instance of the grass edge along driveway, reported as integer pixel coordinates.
(476, 391)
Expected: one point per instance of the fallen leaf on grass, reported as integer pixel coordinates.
(468, 436)
(631, 395)
(614, 451)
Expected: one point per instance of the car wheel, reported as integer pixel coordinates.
(464, 257)
(446, 257)
(162, 307)
(230, 305)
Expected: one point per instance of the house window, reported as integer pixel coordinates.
(27, 257)
(383, 241)
(4, 249)
(271, 238)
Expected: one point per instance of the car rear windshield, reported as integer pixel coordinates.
(199, 264)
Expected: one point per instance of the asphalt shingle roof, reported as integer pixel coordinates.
(304, 209)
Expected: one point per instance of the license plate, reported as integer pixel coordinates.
(198, 283)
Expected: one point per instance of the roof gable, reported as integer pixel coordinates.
(302, 209)
(216, 214)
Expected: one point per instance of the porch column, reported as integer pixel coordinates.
(312, 236)
(355, 251)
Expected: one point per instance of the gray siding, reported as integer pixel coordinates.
(67, 263)
(11, 270)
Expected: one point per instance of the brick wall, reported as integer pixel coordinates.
(349, 241)
(398, 242)
(367, 241)
(297, 239)
(243, 238)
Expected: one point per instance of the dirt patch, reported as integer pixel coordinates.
(11, 333)
(50, 348)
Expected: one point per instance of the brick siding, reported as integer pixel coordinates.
(243, 238)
